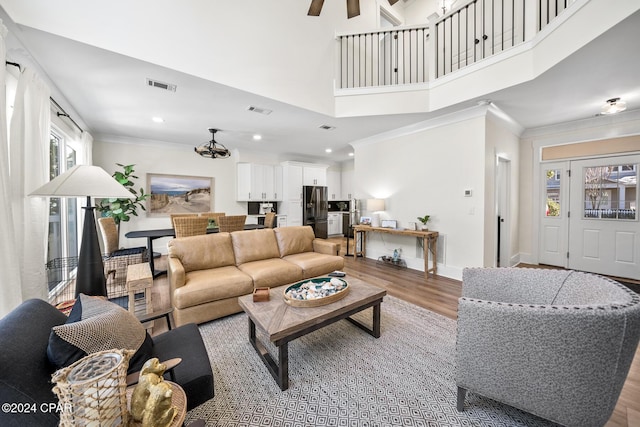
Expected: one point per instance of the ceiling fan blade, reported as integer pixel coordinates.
(353, 8)
(392, 2)
(315, 8)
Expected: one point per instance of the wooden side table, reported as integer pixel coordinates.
(139, 279)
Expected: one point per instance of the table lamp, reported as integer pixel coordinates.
(374, 206)
(87, 181)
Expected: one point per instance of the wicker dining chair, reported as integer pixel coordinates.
(117, 260)
(270, 220)
(213, 216)
(232, 223)
(190, 225)
(181, 215)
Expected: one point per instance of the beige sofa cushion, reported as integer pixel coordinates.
(315, 264)
(215, 284)
(254, 245)
(203, 252)
(294, 240)
(272, 272)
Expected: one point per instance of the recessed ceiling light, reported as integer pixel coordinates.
(328, 150)
(257, 137)
(158, 119)
(351, 154)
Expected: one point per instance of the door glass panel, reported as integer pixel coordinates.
(610, 192)
(553, 192)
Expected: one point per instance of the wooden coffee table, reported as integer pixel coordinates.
(283, 323)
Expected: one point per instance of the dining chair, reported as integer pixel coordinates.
(232, 223)
(186, 226)
(270, 220)
(117, 260)
(213, 216)
(181, 215)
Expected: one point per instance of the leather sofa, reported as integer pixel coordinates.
(25, 377)
(208, 273)
(555, 343)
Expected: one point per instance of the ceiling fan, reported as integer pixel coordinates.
(213, 149)
(353, 7)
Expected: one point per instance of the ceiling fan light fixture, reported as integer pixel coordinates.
(213, 149)
(613, 106)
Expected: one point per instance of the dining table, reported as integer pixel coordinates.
(158, 233)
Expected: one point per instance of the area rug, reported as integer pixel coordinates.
(341, 376)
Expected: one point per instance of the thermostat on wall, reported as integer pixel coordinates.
(467, 192)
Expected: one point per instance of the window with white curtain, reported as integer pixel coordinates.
(63, 212)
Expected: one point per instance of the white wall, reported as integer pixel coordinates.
(426, 172)
(503, 142)
(219, 35)
(168, 160)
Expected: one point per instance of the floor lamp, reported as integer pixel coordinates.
(87, 181)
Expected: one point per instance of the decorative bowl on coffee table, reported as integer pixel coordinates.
(315, 292)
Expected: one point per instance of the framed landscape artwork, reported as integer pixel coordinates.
(172, 194)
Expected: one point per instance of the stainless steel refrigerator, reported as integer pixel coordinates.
(315, 209)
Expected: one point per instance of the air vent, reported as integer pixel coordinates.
(161, 85)
(327, 127)
(259, 110)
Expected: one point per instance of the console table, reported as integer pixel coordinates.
(429, 243)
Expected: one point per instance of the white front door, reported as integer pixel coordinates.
(604, 231)
(554, 225)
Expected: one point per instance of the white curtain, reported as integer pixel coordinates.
(10, 289)
(29, 169)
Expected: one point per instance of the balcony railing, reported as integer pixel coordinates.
(396, 56)
(477, 30)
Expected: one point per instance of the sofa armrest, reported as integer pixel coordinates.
(324, 247)
(176, 273)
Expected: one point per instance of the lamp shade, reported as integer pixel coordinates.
(375, 205)
(87, 181)
(84, 181)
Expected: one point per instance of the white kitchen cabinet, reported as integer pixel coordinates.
(257, 183)
(333, 185)
(314, 175)
(281, 220)
(334, 224)
(293, 209)
(346, 185)
(292, 182)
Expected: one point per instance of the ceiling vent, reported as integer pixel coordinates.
(327, 127)
(161, 85)
(259, 110)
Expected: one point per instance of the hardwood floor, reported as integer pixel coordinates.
(440, 295)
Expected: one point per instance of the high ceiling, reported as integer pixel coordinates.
(110, 93)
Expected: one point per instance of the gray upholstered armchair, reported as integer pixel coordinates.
(555, 343)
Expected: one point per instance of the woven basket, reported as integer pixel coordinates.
(318, 301)
(92, 391)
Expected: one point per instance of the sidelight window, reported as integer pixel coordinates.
(553, 192)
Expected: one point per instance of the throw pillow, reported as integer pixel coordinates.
(96, 324)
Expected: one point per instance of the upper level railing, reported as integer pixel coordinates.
(395, 56)
(477, 30)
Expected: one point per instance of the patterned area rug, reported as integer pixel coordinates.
(341, 376)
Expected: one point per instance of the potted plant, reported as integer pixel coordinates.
(424, 221)
(122, 209)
